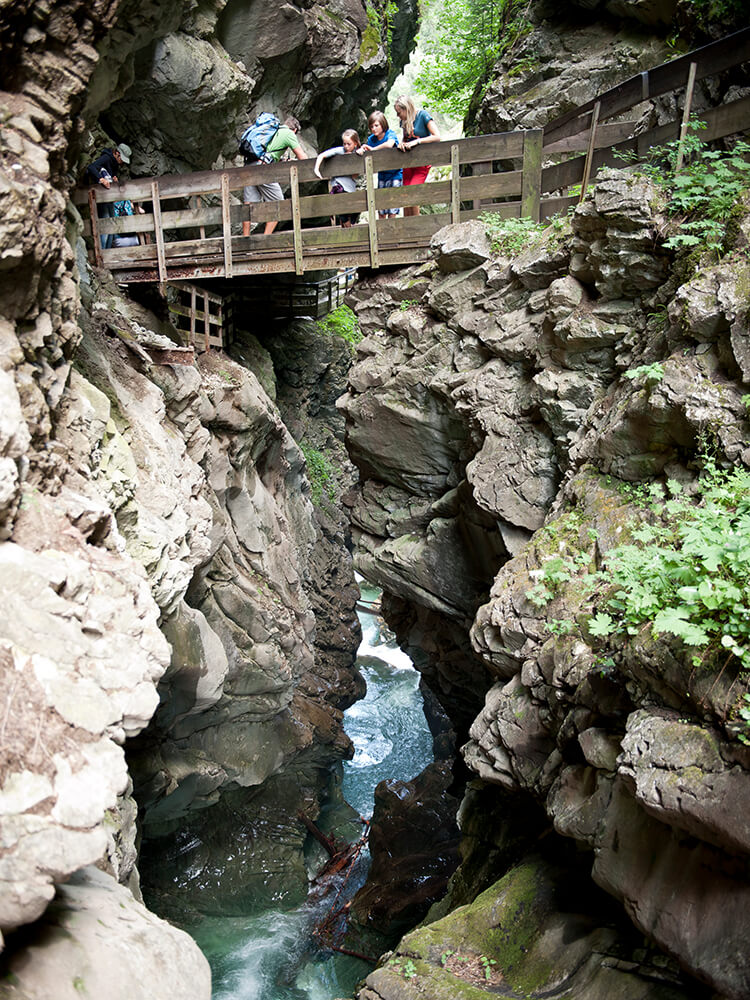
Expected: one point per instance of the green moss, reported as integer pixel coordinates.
(370, 44)
(339, 21)
(503, 924)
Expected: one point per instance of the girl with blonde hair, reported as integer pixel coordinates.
(418, 128)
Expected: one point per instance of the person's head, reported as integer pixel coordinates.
(406, 111)
(350, 140)
(292, 123)
(377, 124)
(122, 153)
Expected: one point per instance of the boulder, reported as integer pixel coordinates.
(461, 247)
(96, 939)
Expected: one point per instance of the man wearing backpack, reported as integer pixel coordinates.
(284, 138)
(103, 171)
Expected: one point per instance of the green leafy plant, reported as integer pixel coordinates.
(709, 11)
(408, 970)
(649, 374)
(560, 626)
(746, 402)
(341, 322)
(321, 474)
(509, 237)
(554, 572)
(743, 713)
(687, 570)
(487, 964)
(703, 192)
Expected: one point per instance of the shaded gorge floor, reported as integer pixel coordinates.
(259, 938)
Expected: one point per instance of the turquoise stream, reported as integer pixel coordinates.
(270, 955)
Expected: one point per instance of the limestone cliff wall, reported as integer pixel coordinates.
(163, 565)
(494, 431)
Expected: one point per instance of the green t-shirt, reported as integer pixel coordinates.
(283, 140)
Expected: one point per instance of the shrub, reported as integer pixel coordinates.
(341, 322)
(687, 571)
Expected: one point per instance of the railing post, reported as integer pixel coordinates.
(371, 213)
(686, 115)
(480, 169)
(206, 322)
(590, 152)
(196, 202)
(226, 220)
(94, 216)
(455, 186)
(192, 315)
(296, 220)
(531, 178)
(160, 255)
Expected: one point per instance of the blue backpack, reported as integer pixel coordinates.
(256, 138)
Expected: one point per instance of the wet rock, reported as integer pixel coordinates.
(414, 847)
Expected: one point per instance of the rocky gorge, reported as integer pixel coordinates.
(178, 625)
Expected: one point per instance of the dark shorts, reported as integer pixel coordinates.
(352, 219)
(415, 175)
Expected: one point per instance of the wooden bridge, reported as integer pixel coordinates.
(192, 221)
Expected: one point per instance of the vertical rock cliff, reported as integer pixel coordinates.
(509, 441)
(175, 615)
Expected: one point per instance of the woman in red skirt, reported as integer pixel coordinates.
(419, 127)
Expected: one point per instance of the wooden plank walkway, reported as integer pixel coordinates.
(192, 221)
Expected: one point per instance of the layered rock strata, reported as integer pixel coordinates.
(159, 545)
(498, 390)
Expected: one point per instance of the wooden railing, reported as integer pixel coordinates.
(199, 315)
(192, 221)
(186, 241)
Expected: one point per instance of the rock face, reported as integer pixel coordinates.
(161, 556)
(179, 82)
(505, 434)
(114, 956)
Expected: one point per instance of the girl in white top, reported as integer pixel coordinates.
(342, 183)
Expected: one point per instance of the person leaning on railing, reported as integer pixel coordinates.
(382, 137)
(285, 138)
(418, 128)
(103, 171)
(342, 183)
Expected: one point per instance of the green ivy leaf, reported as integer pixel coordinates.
(601, 624)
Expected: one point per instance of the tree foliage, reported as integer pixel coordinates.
(462, 41)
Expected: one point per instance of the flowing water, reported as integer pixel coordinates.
(271, 955)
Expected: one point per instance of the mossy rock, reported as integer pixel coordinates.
(524, 937)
